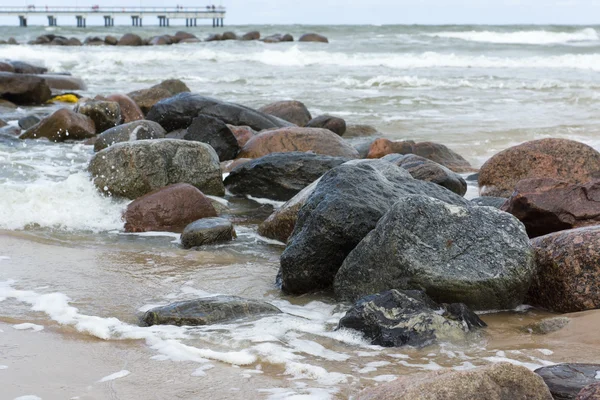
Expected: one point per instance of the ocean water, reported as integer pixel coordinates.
(72, 284)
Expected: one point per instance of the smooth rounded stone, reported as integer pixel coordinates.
(489, 201)
(289, 110)
(132, 169)
(281, 223)
(111, 40)
(478, 256)
(313, 37)
(28, 121)
(229, 36)
(590, 392)
(25, 68)
(7, 104)
(105, 114)
(334, 124)
(160, 40)
(63, 82)
(276, 38)
(129, 109)
(215, 37)
(315, 140)
(62, 125)
(502, 381)
(93, 41)
(184, 35)
(207, 231)
(214, 132)
(147, 98)
(178, 112)
(59, 41)
(547, 325)
(279, 176)
(207, 311)
(343, 209)
(358, 130)
(130, 39)
(568, 277)
(169, 209)
(427, 170)
(242, 134)
(560, 159)
(546, 205)
(12, 41)
(189, 41)
(136, 130)
(73, 41)
(565, 381)
(6, 67)
(398, 318)
(254, 35)
(24, 89)
(432, 151)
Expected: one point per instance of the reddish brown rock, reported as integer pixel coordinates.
(62, 125)
(6, 67)
(24, 89)
(568, 278)
(129, 39)
(334, 124)
(432, 151)
(561, 159)
(146, 98)
(313, 37)
(242, 134)
(590, 392)
(316, 140)
(170, 208)
(546, 205)
(129, 110)
(289, 110)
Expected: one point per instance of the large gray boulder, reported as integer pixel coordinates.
(397, 318)
(132, 169)
(62, 125)
(478, 256)
(343, 209)
(207, 310)
(207, 231)
(136, 130)
(178, 112)
(279, 176)
(24, 89)
(105, 114)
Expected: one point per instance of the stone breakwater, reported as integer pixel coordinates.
(382, 224)
(131, 39)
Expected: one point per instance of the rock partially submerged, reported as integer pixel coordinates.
(62, 125)
(565, 381)
(334, 124)
(105, 114)
(478, 256)
(207, 311)
(207, 231)
(290, 110)
(132, 169)
(24, 89)
(146, 98)
(313, 37)
(397, 318)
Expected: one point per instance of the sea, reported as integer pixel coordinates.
(73, 284)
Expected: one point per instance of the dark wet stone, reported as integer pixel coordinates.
(289, 110)
(136, 130)
(334, 124)
(105, 114)
(146, 98)
(207, 231)
(213, 131)
(62, 125)
(565, 381)
(24, 68)
(313, 37)
(29, 121)
(254, 35)
(24, 89)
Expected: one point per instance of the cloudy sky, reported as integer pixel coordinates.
(376, 11)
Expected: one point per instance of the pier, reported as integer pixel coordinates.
(137, 14)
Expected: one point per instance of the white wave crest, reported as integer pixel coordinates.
(539, 37)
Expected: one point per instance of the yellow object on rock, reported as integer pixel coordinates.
(65, 98)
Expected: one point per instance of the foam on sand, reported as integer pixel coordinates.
(116, 375)
(26, 326)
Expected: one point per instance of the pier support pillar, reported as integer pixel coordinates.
(22, 21)
(187, 22)
(214, 23)
(195, 22)
(221, 22)
(167, 21)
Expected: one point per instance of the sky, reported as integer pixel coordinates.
(242, 12)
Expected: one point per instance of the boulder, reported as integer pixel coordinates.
(129, 39)
(565, 381)
(146, 98)
(178, 112)
(427, 170)
(281, 223)
(73, 41)
(189, 41)
(94, 41)
(63, 82)
(568, 278)
(7, 104)
(334, 124)
(489, 201)
(478, 256)
(545, 205)
(59, 41)
(184, 35)
(287, 38)
(111, 40)
(105, 114)
(242, 134)
(502, 381)
(132, 169)
(136, 130)
(289, 110)
(397, 318)
(207, 311)
(129, 109)
(313, 37)
(207, 231)
(228, 166)
(276, 38)
(12, 41)
(213, 131)
(214, 37)
(343, 209)
(254, 35)
(590, 392)
(279, 176)
(160, 40)
(62, 125)
(28, 121)
(24, 89)
(315, 140)
(560, 159)
(229, 36)
(24, 68)
(357, 130)
(170, 209)
(6, 67)
(547, 325)
(432, 151)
